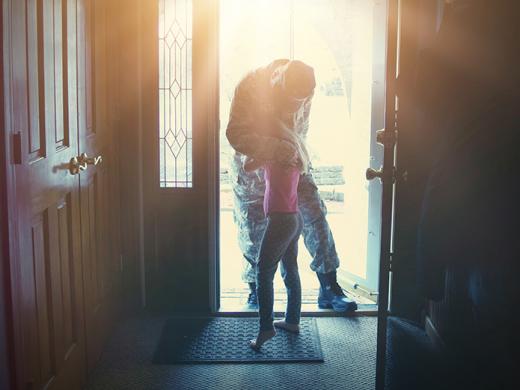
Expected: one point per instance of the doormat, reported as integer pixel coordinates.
(226, 340)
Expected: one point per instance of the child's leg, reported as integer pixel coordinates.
(264, 289)
(280, 229)
(291, 278)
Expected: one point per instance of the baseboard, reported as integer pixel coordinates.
(434, 335)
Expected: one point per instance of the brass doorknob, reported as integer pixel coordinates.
(76, 166)
(371, 174)
(90, 160)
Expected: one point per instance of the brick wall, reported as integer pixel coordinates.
(328, 178)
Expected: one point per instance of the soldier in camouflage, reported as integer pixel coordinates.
(266, 100)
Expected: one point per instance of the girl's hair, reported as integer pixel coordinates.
(297, 140)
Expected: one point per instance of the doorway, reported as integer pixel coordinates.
(344, 41)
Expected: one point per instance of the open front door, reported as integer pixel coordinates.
(387, 175)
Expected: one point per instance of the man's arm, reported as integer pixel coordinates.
(249, 134)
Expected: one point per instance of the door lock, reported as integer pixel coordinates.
(76, 166)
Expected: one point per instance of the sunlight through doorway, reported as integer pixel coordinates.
(344, 41)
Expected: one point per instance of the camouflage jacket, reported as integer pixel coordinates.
(255, 123)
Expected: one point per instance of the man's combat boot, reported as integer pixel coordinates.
(332, 296)
(252, 300)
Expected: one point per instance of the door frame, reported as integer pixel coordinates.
(9, 253)
(388, 185)
(214, 159)
(214, 150)
(7, 367)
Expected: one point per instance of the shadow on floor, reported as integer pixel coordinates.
(348, 345)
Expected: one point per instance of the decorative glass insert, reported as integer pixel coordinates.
(175, 94)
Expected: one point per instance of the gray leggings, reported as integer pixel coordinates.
(279, 242)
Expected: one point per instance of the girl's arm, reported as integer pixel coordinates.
(252, 165)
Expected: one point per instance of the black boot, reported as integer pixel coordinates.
(252, 300)
(331, 294)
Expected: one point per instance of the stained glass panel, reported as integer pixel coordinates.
(175, 106)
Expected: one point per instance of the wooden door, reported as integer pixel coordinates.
(42, 111)
(66, 233)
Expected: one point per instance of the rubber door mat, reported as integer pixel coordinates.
(225, 340)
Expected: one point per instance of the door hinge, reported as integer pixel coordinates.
(17, 147)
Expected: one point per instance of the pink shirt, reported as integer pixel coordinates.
(281, 188)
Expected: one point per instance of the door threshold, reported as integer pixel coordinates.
(308, 310)
(232, 303)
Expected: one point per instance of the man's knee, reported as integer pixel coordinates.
(308, 190)
(312, 207)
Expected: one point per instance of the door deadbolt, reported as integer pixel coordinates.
(90, 160)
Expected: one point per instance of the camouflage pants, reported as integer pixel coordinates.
(248, 213)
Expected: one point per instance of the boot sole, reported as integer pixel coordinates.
(349, 308)
(325, 305)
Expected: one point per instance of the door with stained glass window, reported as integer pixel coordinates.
(175, 94)
(176, 81)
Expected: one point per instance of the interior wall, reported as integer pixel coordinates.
(129, 141)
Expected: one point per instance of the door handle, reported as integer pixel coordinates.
(371, 174)
(76, 166)
(90, 160)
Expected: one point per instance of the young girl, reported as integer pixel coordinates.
(280, 240)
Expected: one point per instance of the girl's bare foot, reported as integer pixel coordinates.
(293, 328)
(262, 337)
